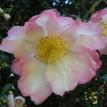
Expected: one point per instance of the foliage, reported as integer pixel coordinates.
(93, 94)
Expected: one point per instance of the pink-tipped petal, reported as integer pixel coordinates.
(88, 35)
(98, 16)
(92, 43)
(85, 65)
(17, 65)
(46, 18)
(33, 82)
(15, 34)
(51, 12)
(62, 24)
(21, 40)
(50, 19)
(86, 28)
(7, 46)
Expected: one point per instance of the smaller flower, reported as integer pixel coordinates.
(100, 19)
(15, 102)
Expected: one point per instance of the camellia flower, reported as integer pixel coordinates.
(50, 55)
(100, 19)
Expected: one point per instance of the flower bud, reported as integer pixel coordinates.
(6, 16)
(15, 102)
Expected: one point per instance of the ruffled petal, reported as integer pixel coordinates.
(51, 13)
(49, 20)
(85, 65)
(7, 46)
(60, 76)
(22, 41)
(61, 23)
(33, 82)
(98, 16)
(17, 65)
(92, 43)
(15, 35)
(88, 35)
(86, 28)
(44, 19)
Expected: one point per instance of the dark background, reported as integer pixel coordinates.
(92, 94)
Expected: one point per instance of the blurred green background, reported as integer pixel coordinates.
(92, 94)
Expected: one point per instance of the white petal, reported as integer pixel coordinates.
(60, 76)
(33, 82)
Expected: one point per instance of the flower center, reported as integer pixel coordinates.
(104, 28)
(51, 48)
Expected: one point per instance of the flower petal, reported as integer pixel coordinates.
(51, 12)
(92, 43)
(85, 65)
(60, 76)
(61, 23)
(50, 19)
(88, 35)
(7, 46)
(17, 65)
(33, 82)
(46, 18)
(15, 34)
(21, 41)
(98, 16)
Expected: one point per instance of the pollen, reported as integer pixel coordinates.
(104, 28)
(51, 48)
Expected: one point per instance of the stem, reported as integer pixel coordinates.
(92, 8)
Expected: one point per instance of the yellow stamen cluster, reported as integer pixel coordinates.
(104, 28)
(51, 48)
